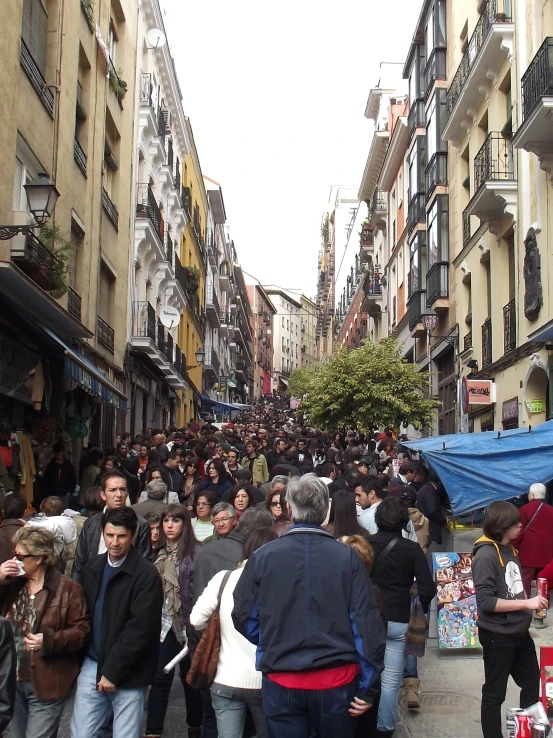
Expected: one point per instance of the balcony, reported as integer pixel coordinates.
(181, 275)
(35, 260)
(490, 44)
(105, 334)
(226, 328)
(110, 209)
(212, 365)
(73, 304)
(224, 276)
(467, 341)
(437, 287)
(416, 212)
(509, 327)
(467, 230)
(534, 133)
(495, 185)
(241, 368)
(487, 342)
(436, 173)
(212, 308)
(416, 309)
(435, 69)
(150, 338)
(147, 207)
(416, 119)
(372, 287)
(79, 156)
(34, 74)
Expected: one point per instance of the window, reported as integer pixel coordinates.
(435, 119)
(435, 34)
(107, 290)
(283, 322)
(112, 41)
(417, 165)
(417, 265)
(33, 31)
(27, 167)
(437, 226)
(416, 76)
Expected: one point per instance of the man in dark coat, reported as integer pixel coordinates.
(124, 595)
(91, 541)
(428, 502)
(59, 477)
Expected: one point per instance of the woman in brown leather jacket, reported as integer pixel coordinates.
(51, 625)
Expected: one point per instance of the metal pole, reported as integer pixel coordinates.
(429, 371)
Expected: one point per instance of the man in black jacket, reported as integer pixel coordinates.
(311, 670)
(91, 541)
(124, 595)
(428, 502)
(59, 477)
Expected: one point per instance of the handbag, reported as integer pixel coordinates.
(415, 639)
(206, 656)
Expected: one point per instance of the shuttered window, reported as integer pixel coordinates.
(33, 31)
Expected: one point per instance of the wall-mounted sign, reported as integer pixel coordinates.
(223, 383)
(477, 392)
(535, 406)
(509, 410)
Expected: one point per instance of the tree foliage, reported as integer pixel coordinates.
(373, 386)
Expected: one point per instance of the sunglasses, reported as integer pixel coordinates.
(275, 504)
(22, 557)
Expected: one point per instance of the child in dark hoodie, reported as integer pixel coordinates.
(504, 616)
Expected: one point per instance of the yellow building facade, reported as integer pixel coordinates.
(193, 257)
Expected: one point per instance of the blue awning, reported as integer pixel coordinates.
(88, 376)
(478, 468)
(217, 406)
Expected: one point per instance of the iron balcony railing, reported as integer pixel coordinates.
(487, 342)
(180, 361)
(169, 351)
(467, 341)
(181, 275)
(144, 320)
(146, 89)
(494, 161)
(436, 173)
(225, 318)
(379, 202)
(147, 207)
(160, 336)
(416, 212)
(211, 360)
(466, 227)
(36, 260)
(435, 69)
(73, 303)
(417, 308)
(537, 81)
(211, 300)
(373, 286)
(496, 11)
(105, 334)
(170, 159)
(169, 249)
(416, 118)
(35, 77)
(110, 209)
(509, 326)
(161, 127)
(79, 156)
(437, 283)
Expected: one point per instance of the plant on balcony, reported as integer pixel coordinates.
(117, 84)
(193, 275)
(50, 235)
(371, 387)
(88, 11)
(325, 230)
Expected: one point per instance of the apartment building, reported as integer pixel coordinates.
(243, 344)
(496, 119)
(263, 312)
(309, 355)
(159, 286)
(287, 335)
(67, 90)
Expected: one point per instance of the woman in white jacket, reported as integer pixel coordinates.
(237, 683)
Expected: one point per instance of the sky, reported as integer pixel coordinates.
(276, 95)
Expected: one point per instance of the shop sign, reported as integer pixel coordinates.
(17, 364)
(509, 410)
(487, 422)
(232, 383)
(535, 406)
(477, 392)
(222, 383)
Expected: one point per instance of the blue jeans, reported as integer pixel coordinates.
(394, 664)
(230, 705)
(304, 713)
(34, 718)
(91, 707)
(411, 670)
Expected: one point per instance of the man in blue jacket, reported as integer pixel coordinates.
(306, 602)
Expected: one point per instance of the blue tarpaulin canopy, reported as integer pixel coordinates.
(216, 406)
(478, 468)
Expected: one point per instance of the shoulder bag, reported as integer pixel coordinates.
(206, 656)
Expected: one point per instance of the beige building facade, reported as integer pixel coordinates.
(308, 330)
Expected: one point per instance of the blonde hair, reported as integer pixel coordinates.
(37, 542)
(363, 548)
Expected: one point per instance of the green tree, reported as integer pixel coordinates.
(373, 386)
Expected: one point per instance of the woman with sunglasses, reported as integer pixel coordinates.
(202, 525)
(273, 503)
(48, 613)
(176, 552)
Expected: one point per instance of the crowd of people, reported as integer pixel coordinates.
(313, 550)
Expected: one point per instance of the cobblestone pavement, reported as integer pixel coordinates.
(450, 698)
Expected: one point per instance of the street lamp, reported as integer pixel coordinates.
(199, 356)
(42, 196)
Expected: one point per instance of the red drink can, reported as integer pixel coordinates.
(541, 589)
(524, 725)
(512, 723)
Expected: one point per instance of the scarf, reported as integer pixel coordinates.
(416, 631)
(167, 564)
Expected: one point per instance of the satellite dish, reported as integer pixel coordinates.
(170, 316)
(155, 38)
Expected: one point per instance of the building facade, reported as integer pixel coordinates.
(263, 312)
(287, 335)
(242, 345)
(309, 355)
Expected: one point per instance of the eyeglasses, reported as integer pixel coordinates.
(275, 504)
(22, 557)
(221, 521)
(203, 504)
